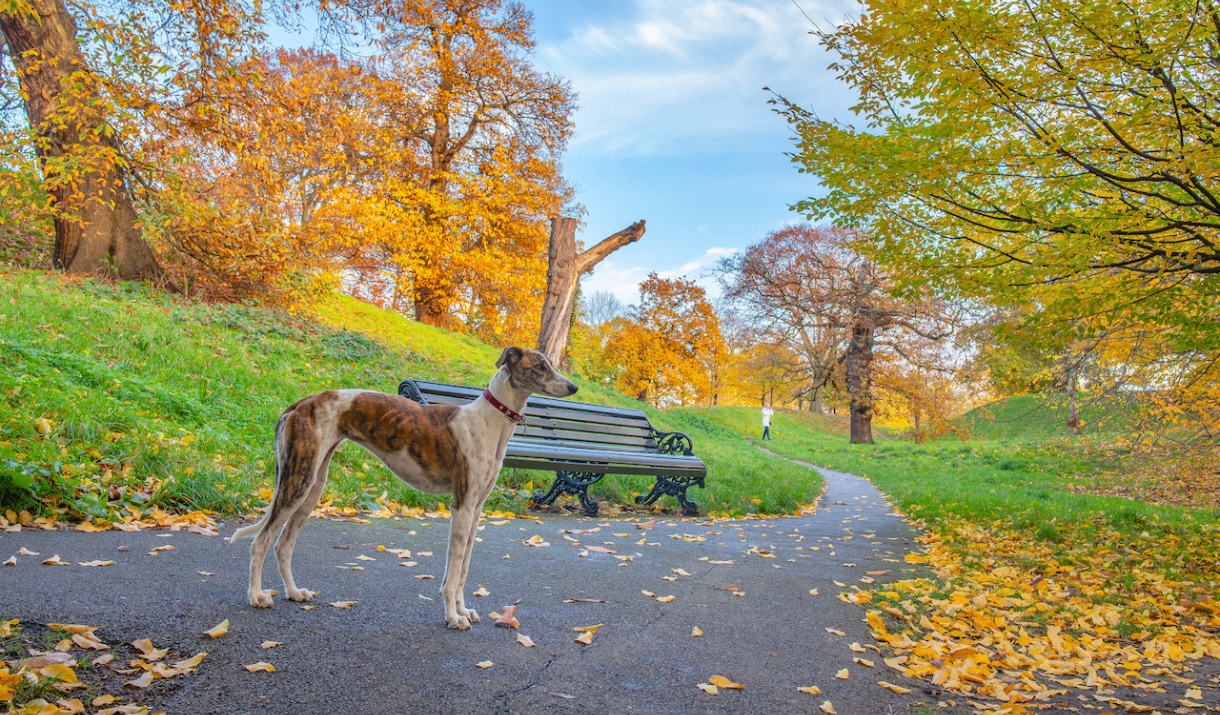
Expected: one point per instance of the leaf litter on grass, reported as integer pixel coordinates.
(1022, 624)
(33, 684)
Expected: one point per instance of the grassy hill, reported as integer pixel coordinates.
(114, 397)
(1044, 416)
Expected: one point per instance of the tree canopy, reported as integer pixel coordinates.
(1056, 156)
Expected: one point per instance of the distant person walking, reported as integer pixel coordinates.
(766, 413)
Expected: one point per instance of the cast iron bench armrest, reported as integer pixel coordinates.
(583, 442)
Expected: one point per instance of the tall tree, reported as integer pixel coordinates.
(1049, 153)
(86, 105)
(479, 119)
(671, 347)
(817, 296)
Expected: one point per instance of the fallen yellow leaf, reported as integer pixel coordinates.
(695, 632)
(666, 599)
(484, 664)
(260, 667)
(842, 674)
(827, 708)
(896, 688)
(682, 572)
(525, 640)
(220, 629)
(812, 690)
(708, 688)
(191, 662)
(588, 629)
(482, 592)
(585, 638)
(270, 644)
(343, 604)
(143, 681)
(723, 682)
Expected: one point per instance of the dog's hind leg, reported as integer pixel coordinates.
(296, 464)
(288, 538)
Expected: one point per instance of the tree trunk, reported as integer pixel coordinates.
(561, 282)
(429, 308)
(95, 219)
(1074, 418)
(858, 366)
(815, 405)
(564, 269)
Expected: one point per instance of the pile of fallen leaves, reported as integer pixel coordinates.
(1020, 624)
(135, 519)
(46, 682)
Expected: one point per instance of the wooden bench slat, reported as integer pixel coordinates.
(532, 432)
(587, 428)
(517, 444)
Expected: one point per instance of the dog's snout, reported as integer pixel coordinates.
(572, 389)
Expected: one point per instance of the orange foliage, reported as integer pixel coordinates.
(671, 350)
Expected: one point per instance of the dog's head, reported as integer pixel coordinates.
(531, 370)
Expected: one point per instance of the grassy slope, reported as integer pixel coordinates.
(1026, 417)
(110, 396)
(1027, 480)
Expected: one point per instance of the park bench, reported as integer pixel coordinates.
(582, 443)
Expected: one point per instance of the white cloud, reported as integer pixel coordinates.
(624, 283)
(672, 76)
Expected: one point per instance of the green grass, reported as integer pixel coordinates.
(1046, 415)
(116, 396)
(1026, 485)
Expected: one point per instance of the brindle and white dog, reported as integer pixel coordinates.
(438, 449)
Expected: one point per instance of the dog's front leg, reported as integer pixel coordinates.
(461, 539)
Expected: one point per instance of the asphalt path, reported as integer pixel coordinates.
(389, 652)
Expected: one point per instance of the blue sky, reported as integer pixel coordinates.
(673, 125)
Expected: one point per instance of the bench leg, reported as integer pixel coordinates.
(674, 487)
(575, 483)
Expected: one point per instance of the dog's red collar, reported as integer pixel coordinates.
(514, 416)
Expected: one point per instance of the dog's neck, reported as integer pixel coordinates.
(513, 398)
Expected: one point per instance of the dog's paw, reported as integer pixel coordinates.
(301, 594)
(458, 623)
(472, 616)
(260, 599)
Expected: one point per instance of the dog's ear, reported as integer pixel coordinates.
(511, 356)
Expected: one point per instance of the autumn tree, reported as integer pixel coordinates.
(92, 80)
(777, 284)
(481, 133)
(1044, 154)
(670, 349)
(816, 295)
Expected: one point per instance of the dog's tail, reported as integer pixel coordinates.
(280, 460)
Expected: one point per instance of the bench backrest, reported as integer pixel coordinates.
(557, 422)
